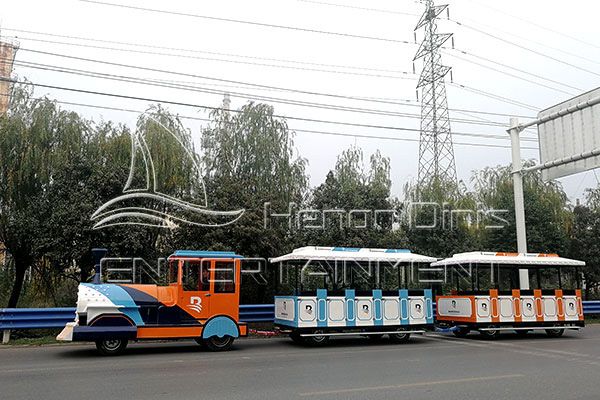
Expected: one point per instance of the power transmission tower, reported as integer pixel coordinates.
(436, 153)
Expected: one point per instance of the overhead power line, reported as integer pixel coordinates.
(188, 87)
(186, 50)
(487, 34)
(342, 134)
(238, 21)
(332, 33)
(539, 53)
(508, 73)
(537, 25)
(253, 85)
(509, 67)
(361, 8)
(402, 74)
(184, 104)
(546, 45)
(494, 96)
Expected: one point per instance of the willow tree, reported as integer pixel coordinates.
(354, 205)
(36, 138)
(548, 218)
(248, 160)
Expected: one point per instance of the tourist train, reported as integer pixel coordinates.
(325, 292)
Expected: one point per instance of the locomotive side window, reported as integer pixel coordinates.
(191, 273)
(224, 277)
(205, 276)
(174, 269)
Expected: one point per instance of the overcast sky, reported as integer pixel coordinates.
(371, 68)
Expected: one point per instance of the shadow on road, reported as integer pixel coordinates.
(257, 345)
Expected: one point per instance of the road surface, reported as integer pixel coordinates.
(436, 366)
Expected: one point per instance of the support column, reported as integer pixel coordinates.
(517, 176)
(5, 336)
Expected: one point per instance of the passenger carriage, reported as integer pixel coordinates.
(494, 292)
(338, 291)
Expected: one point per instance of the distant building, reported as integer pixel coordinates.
(8, 50)
(226, 102)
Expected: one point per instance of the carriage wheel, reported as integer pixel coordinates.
(399, 337)
(317, 340)
(492, 334)
(555, 333)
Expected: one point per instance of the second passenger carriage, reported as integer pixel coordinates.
(339, 291)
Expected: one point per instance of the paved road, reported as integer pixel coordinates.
(428, 367)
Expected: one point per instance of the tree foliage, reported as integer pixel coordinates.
(57, 169)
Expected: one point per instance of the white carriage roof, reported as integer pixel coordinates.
(481, 257)
(353, 254)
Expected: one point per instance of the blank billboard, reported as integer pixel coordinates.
(566, 132)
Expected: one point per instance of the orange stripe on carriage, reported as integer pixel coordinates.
(472, 318)
(539, 311)
(494, 301)
(580, 303)
(169, 332)
(560, 307)
(517, 303)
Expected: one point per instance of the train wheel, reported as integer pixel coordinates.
(554, 333)
(215, 343)
(461, 332)
(399, 337)
(491, 334)
(317, 340)
(111, 347)
(522, 332)
(296, 338)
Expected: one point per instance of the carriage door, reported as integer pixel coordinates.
(224, 287)
(195, 293)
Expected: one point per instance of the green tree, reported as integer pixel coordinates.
(35, 137)
(436, 225)
(547, 215)
(350, 187)
(248, 159)
(584, 240)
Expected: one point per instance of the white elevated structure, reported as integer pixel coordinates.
(480, 257)
(354, 254)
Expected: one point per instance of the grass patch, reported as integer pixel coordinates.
(35, 341)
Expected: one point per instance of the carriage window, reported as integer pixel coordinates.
(190, 275)
(544, 278)
(224, 277)
(174, 270)
(486, 277)
(508, 278)
(205, 276)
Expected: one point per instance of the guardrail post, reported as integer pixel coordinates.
(5, 336)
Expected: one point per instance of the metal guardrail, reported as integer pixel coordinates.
(40, 318)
